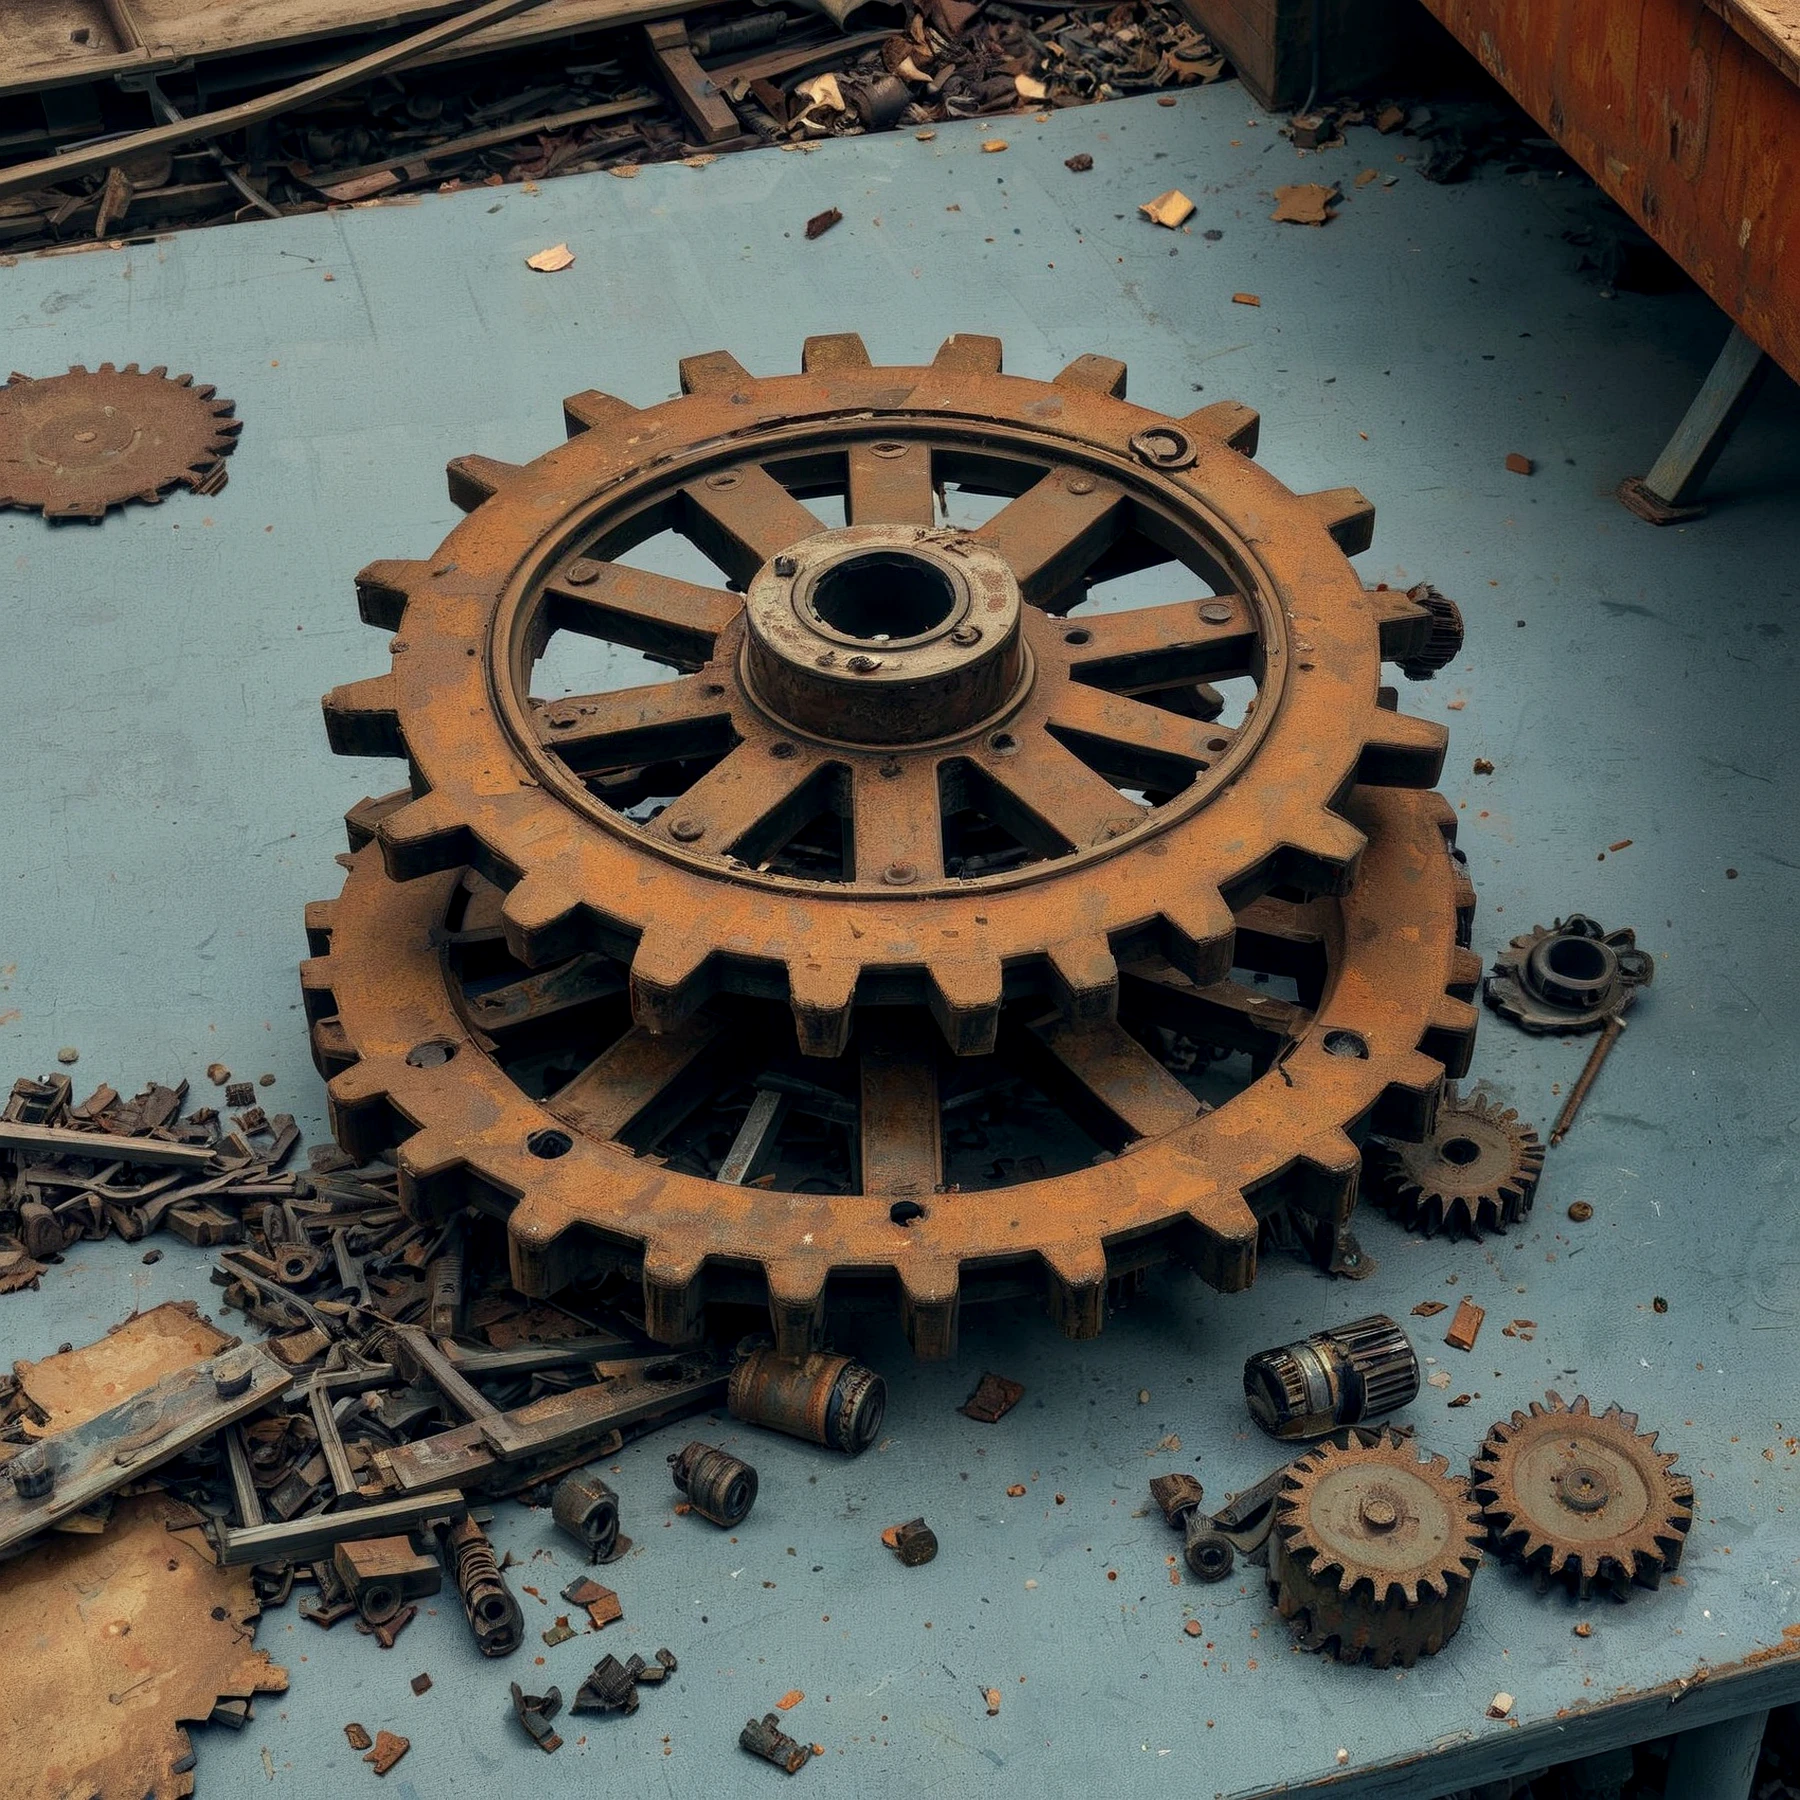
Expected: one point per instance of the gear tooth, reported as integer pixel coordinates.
(363, 820)
(362, 1118)
(474, 479)
(1580, 1407)
(542, 920)
(822, 993)
(965, 354)
(930, 1306)
(797, 1304)
(1197, 935)
(1085, 978)
(1346, 514)
(384, 587)
(674, 1294)
(671, 976)
(716, 372)
(591, 409)
(319, 916)
(422, 837)
(965, 1000)
(1402, 750)
(362, 718)
(1325, 860)
(1229, 422)
(1075, 1275)
(834, 353)
(431, 1171)
(1095, 375)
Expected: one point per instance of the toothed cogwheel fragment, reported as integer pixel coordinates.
(1570, 976)
(914, 751)
(1583, 1498)
(1372, 1552)
(714, 1165)
(1475, 1171)
(73, 445)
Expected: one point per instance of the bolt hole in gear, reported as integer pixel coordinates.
(885, 777)
(73, 446)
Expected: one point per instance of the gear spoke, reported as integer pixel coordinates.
(1120, 1076)
(741, 517)
(747, 806)
(621, 1087)
(1138, 745)
(1226, 1015)
(1054, 532)
(890, 484)
(901, 1140)
(1163, 646)
(640, 610)
(1049, 799)
(660, 722)
(897, 821)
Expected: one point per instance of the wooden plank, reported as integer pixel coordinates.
(692, 89)
(104, 1146)
(1680, 120)
(1770, 27)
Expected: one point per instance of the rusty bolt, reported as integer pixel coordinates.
(230, 1382)
(33, 1474)
(685, 830)
(966, 635)
(888, 449)
(863, 665)
(1216, 612)
(1081, 484)
(581, 572)
(900, 874)
(726, 478)
(785, 565)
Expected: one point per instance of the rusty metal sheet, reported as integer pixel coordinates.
(114, 1642)
(1681, 120)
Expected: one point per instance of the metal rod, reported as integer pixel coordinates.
(755, 1138)
(300, 1540)
(443, 1374)
(331, 1443)
(1615, 1028)
(243, 1479)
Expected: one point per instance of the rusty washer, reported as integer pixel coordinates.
(826, 1399)
(719, 1486)
(588, 1510)
(1343, 1376)
(899, 763)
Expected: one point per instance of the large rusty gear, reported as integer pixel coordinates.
(1583, 1498)
(1372, 1551)
(508, 1089)
(1476, 1170)
(73, 445)
(894, 765)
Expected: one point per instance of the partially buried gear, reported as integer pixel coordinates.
(1571, 976)
(1477, 1170)
(73, 445)
(1583, 1498)
(1372, 1551)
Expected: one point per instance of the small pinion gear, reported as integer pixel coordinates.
(1477, 1171)
(1583, 1498)
(1372, 1551)
(74, 445)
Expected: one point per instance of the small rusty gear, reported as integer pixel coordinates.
(531, 1094)
(1583, 1498)
(896, 765)
(1476, 1170)
(1571, 976)
(1443, 641)
(73, 445)
(1373, 1550)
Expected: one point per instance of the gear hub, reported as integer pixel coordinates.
(1476, 1170)
(1583, 1498)
(1372, 1551)
(1571, 976)
(915, 751)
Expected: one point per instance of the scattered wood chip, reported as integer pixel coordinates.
(789, 1700)
(363, 187)
(390, 1746)
(1390, 119)
(560, 1632)
(1305, 203)
(603, 1608)
(1192, 1628)
(1462, 1399)
(1246, 300)
(1466, 1326)
(1017, 1489)
(1429, 1309)
(820, 223)
(1500, 1706)
(1584, 1629)
(1519, 465)
(924, 137)
(1622, 844)
(358, 1736)
(1525, 1330)
(1367, 176)
(992, 1697)
(1484, 765)
(421, 1683)
(994, 1397)
(1030, 88)
(625, 171)
(993, 146)
(1168, 210)
(217, 1074)
(1438, 1378)
(548, 262)
(1080, 163)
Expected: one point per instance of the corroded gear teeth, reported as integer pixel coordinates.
(1095, 374)
(842, 350)
(475, 479)
(1347, 514)
(1474, 1171)
(1582, 1498)
(1228, 422)
(591, 410)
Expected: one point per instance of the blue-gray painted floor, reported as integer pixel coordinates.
(169, 804)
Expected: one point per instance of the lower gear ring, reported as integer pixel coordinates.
(1384, 1009)
(1475, 1171)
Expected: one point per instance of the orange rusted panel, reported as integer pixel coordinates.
(1681, 121)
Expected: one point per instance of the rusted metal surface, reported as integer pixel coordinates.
(894, 767)
(1343, 1376)
(74, 1386)
(1583, 1498)
(73, 445)
(1476, 1170)
(719, 1486)
(829, 1400)
(588, 1510)
(1681, 120)
(492, 1607)
(1373, 1550)
(1383, 1011)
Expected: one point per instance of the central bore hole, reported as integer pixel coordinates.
(1461, 1151)
(1577, 959)
(883, 595)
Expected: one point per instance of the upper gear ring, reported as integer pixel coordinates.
(885, 685)
(590, 1191)
(73, 445)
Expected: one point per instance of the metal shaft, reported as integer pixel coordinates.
(1615, 1028)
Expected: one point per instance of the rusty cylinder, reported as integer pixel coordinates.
(588, 1510)
(719, 1486)
(493, 1610)
(826, 1399)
